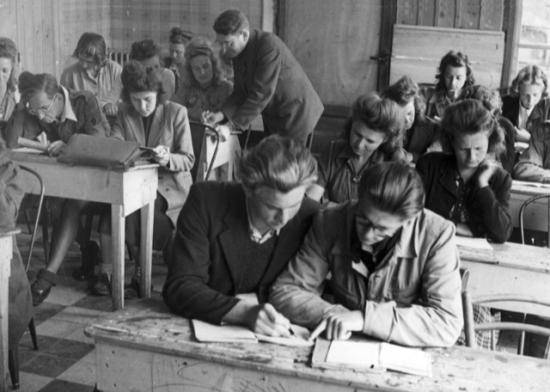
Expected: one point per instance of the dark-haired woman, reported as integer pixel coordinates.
(454, 73)
(8, 80)
(94, 72)
(466, 184)
(150, 120)
(371, 137)
(175, 61)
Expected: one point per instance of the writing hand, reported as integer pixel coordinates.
(265, 320)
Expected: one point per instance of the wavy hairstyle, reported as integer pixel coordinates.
(278, 163)
(531, 74)
(467, 117)
(201, 46)
(9, 51)
(405, 90)
(136, 78)
(91, 46)
(380, 114)
(31, 84)
(454, 59)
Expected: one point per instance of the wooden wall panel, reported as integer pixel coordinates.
(334, 42)
(484, 48)
(461, 14)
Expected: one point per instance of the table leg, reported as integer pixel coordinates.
(6, 251)
(146, 248)
(118, 240)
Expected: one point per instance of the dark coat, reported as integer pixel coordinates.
(89, 116)
(487, 207)
(510, 110)
(20, 301)
(206, 268)
(270, 81)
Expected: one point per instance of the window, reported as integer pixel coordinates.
(534, 40)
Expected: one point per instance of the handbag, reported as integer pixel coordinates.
(87, 150)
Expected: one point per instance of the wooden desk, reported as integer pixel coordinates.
(150, 350)
(126, 192)
(6, 254)
(514, 269)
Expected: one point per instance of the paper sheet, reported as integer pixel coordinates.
(473, 243)
(362, 355)
(406, 360)
(205, 332)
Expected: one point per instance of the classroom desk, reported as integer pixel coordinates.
(6, 254)
(148, 349)
(126, 192)
(512, 269)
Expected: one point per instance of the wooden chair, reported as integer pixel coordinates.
(470, 327)
(524, 205)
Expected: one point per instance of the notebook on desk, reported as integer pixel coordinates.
(363, 354)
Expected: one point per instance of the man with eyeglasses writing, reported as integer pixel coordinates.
(392, 267)
(51, 114)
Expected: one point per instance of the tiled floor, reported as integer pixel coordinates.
(65, 360)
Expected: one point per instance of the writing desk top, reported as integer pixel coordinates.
(149, 327)
(530, 188)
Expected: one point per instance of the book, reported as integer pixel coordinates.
(370, 355)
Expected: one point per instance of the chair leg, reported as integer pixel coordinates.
(32, 331)
(13, 364)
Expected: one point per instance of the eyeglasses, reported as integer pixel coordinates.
(43, 110)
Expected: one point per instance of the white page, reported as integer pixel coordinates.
(406, 360)
(205, 332)
(473, 243)
(298, 339)
(362, 355)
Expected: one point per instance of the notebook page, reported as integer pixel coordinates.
(362, 355)
(205, 332)
(406, 360)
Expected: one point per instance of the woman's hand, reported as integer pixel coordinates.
(56, 147)
(212, 118)
(161, 155)
(485, 172)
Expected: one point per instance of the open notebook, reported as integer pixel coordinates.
(370, 355)
(209, 333)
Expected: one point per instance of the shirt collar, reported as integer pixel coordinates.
(68, 112)
(255, 234)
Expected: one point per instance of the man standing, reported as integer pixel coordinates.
(268, 81)
(235, 238)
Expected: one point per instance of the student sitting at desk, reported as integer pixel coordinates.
(527, 107)
(466, 184)
(454, 73)
(94, 72)
(148, 54)
(235, 238)
(20, 302)
(8, 80)
(392, 266)
(371, 136)
(148, 118)
(176, 59)
(52, 114)
(534, 164)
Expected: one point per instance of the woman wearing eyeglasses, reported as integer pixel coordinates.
(51, 114)
(391, 265)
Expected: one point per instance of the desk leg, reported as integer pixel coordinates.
(146, 248)
(6, 250)
(118, 240)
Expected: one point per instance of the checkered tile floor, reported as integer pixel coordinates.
(65, 360)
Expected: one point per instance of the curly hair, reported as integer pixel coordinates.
(380, 114)
(454, 59)
(136, 78)
(91, 46)
(145, 49)
(31, 84)
(467, 117)
(490, 98)
(531, 74)
(179, 36)
(9, 51)
(201, 46)
(405, 90)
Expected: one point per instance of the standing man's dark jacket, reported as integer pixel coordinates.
(208, 265)
(270, 81)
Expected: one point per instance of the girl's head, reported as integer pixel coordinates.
(201, 63)
(8, 62)
(390, 193)
(470, 132)
(405, 92)
(41, 96)
(147, 53)
(454, 73)
(490, 98)
(375, 123)
(178, 41)
(141, 87)
(91, 52)
(530, 85)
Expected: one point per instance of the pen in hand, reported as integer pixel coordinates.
(317, 331)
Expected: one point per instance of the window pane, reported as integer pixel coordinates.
(535, 29)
